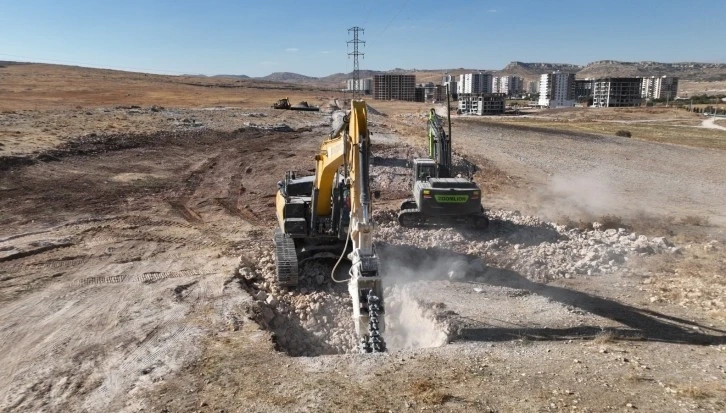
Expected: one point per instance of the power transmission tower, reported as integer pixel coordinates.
(355, 53)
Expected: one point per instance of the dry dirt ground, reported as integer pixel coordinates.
(136, 270)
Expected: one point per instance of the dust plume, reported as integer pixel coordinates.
(410, 322)
(581, 196)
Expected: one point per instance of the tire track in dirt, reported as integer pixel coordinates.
(146, 277)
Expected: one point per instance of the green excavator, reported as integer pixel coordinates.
(440, 197)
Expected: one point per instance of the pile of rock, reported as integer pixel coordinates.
(538, 250)
(312, 320)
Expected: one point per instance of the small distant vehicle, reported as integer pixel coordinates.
(302, 106)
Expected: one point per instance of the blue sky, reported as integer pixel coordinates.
(309, 37)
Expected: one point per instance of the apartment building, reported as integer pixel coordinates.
(557, 89)
(532, 86)
(583, 88)
(364, 85)
(394, 87)
(616, 92)
(474, 83)
(659, 87)
(509, 85)
(451, 82)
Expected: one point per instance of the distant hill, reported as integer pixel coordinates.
(685, 70)
(340, 78)
(532, 71)
(288, 77)
(233, 76)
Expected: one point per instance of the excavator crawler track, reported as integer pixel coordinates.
(286, 268)
(411, 218)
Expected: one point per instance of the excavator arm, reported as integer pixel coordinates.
(349, 148)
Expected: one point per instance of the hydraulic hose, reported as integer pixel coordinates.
(335, 267)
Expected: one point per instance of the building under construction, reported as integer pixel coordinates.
(481, 103)
(616, 92)
(394, 87)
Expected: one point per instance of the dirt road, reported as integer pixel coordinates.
(710, 123)
(136, 274)
(589, 175)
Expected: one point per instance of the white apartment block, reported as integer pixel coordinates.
(474, 83)
(557, 90)
(451, 82)
(663, 87)
(364, 85)
(509, 85)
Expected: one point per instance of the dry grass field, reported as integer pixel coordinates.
(42, 87)
(691, 88)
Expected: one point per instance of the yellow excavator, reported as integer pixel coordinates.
(328, 215)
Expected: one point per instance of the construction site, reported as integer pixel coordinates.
(188, 243)
(138, 268)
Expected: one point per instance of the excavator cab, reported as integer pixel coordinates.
(423, 169)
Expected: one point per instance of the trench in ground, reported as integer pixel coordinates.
(315, 319)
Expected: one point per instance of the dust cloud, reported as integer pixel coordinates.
(410, 322)
(581, 196)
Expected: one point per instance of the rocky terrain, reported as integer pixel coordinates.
(137, 270)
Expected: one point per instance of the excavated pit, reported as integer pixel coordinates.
(315, 319)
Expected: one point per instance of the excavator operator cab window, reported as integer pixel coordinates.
(425, 172)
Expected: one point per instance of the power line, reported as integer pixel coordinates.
(403, 6)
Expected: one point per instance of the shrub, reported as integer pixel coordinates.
(624, 133)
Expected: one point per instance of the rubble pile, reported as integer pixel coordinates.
(314, 319)
(538, 250)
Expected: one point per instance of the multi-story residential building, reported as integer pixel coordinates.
(364, 85)
(449, 80)
(532, 86)
(663, 87)
(428, 90)
(474, 83)
(583, 88)
(440, 93)
(616, 92)
(516, 85)
(509, 85)
(481, 103)
(394, 87)
(419, 94)
(557, 89)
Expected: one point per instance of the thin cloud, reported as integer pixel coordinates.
(292, 49)
(326, 51)
(492, 10)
